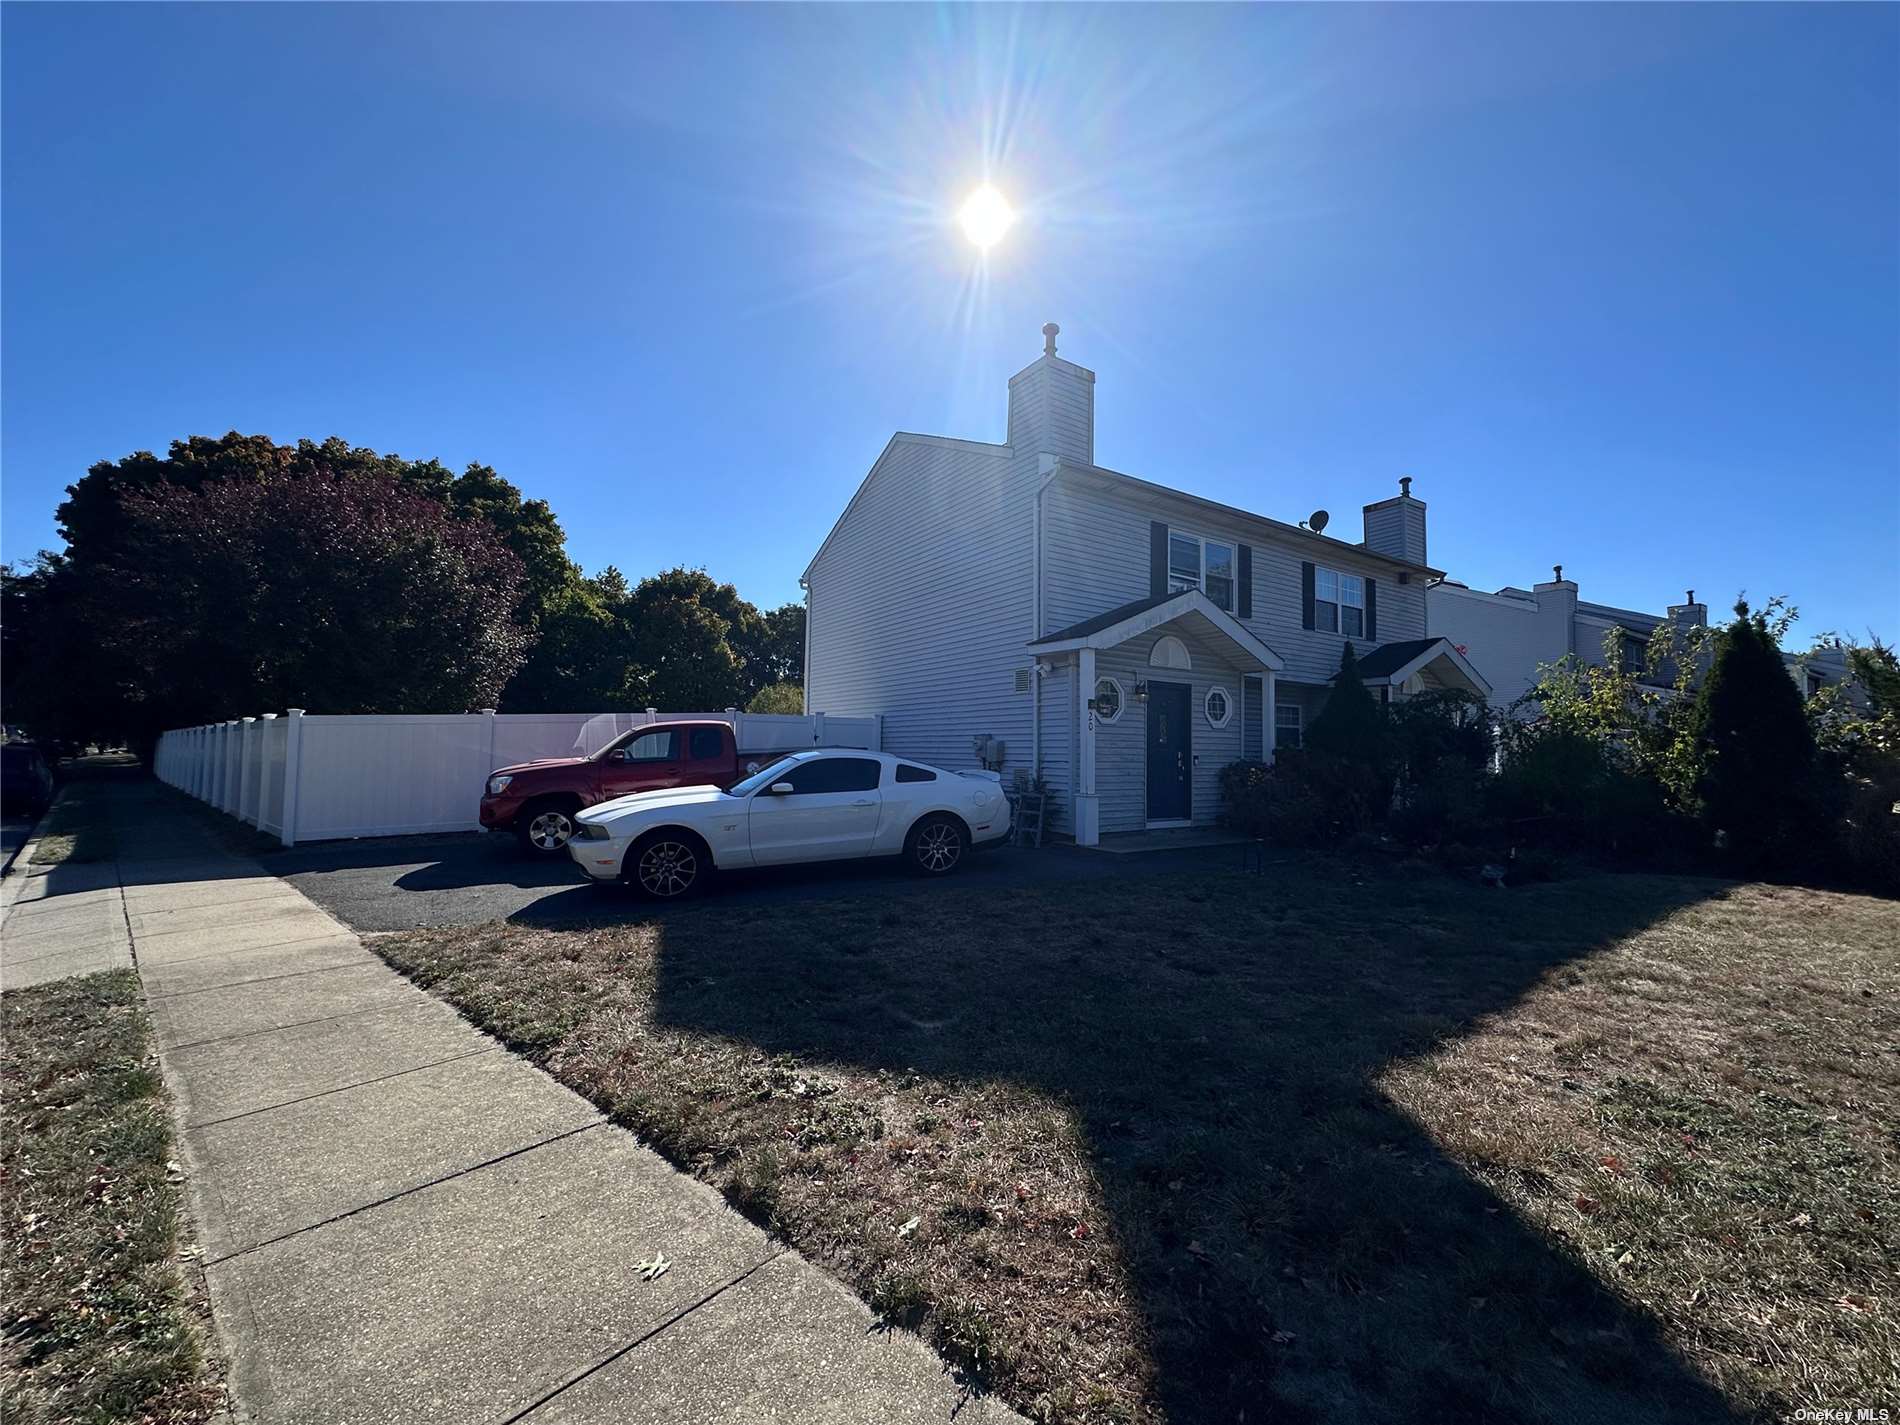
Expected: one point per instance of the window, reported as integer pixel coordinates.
(1196, 563)
(705, 744)
(1219, 706)
(652, 747)
(1287, 725)
(1108, 699)
(764, 777)
(835, 774)
(1339, 603)
(908, 773)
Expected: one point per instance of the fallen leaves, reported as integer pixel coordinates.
(653, 1268)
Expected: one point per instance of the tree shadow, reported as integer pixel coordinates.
(1299, 1246)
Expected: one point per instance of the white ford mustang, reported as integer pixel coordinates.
(831, 804)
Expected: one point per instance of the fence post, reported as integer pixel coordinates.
(488, 764)
(244, 763)
(293, 774)
(817, 729)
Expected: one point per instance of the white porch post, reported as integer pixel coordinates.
(1271, 718)
(1088, 815)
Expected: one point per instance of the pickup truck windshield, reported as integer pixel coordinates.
(761, 778)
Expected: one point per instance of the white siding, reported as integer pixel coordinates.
(1503, 638)
(920, 602)
(1121, 747)
(1095, 557)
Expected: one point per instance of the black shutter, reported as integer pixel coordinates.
(1306, 596)
(1372, 609)
(1157, 558)
(1245, 603)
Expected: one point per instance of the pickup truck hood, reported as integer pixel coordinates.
(516, 768)
(665, 798)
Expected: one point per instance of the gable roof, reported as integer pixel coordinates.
(1395, 662)
(1123, 622)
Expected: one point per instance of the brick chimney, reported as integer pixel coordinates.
(1397, 526)
(1052, 406)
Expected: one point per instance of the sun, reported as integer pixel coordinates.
(985, 217)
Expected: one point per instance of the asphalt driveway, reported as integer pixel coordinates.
(400, 883)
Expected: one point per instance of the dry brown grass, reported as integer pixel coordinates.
(1379, 1145)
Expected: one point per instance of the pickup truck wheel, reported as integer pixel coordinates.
(936, 845)
(545, 828)
(667, 865)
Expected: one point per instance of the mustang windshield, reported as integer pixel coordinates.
(761, 778)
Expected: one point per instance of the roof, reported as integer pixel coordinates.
(1120, 624)
(1393, 663)
(1107, 620)
(1388, 658)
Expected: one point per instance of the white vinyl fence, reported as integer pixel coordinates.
(308, 777)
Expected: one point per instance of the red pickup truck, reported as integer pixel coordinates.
(537, 800)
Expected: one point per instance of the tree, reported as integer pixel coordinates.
(774, 652)
(1351, 726)
(777, 698)
(336, 594)
(1757, 782)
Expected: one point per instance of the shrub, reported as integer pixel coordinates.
(1758, 777)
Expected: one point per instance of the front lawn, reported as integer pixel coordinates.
(1329, 1144)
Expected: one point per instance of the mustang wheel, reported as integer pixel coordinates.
(937, 844)
(666, 866)
(546, 830)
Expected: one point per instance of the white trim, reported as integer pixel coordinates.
(1201, 541)
(1442, 648)
(1189, 601)
(1172, 824)
(1121, 700)
(1227, 700)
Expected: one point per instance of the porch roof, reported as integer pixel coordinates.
(1118, 625)
(1390, 664)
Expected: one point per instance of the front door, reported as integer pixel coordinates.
(1170, 753)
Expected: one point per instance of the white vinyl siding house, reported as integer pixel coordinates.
(973, 590)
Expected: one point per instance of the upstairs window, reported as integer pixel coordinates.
(1339, 603)
(1204, 564)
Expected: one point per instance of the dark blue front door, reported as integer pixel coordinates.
(1170, 753)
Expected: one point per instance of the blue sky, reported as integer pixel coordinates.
(1619, 286)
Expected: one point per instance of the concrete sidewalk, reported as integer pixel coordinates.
(403, 1221)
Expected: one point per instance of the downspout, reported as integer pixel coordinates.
(1045, 472)
(805, 585)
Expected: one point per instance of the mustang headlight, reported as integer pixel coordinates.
(498, 785)
(592, 831)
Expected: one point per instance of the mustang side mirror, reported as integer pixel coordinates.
(781, 789)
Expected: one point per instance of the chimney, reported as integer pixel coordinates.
(1397, 526)
(1052, 406)
(1556, 616)
(1689, 613)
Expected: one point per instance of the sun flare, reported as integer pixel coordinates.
(985, 217)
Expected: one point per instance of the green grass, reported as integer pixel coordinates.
(101, 1325)
(1326, 1144)
(78, 828)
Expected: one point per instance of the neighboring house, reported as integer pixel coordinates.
(1508, 636)
(1021, 606)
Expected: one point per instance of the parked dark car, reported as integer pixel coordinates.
(26, 779)
(538, 800)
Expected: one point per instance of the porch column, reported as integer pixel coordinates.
(1088, 816)
(1269, 719)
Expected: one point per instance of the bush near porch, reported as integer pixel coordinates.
(1728, 770)
(1320, 1144)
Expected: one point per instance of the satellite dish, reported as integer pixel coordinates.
(1317, 520)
